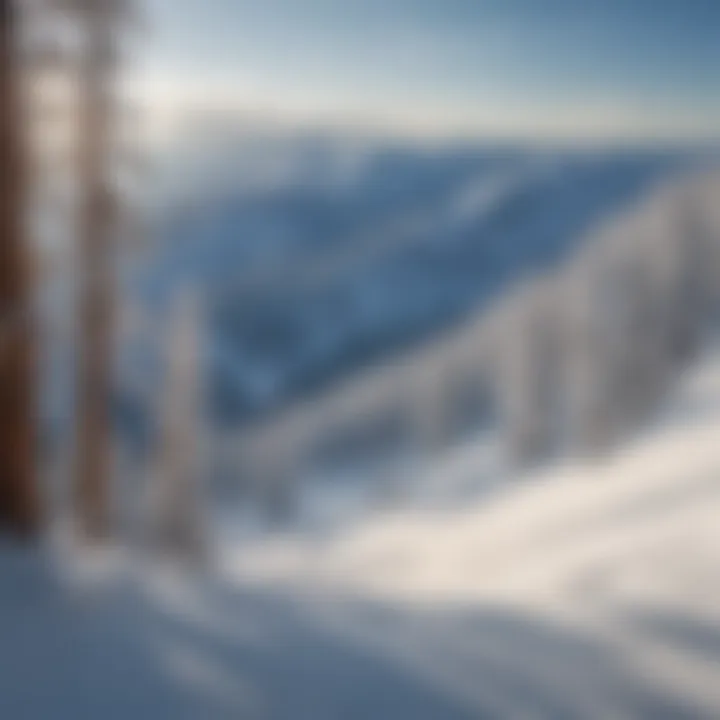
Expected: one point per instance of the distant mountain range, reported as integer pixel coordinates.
(315, 257)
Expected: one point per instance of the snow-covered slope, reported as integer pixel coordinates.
(589, 591)
(665, 480)
(624, 551)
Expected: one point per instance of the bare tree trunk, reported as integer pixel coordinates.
(19, 502)
(96, 276)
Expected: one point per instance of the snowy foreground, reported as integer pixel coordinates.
(586, 591)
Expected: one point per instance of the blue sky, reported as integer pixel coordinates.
(527, 67)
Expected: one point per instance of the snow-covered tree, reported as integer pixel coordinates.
(526, 372)
(175, 505)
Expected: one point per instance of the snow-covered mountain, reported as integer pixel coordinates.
(316, 257)
(571, 362)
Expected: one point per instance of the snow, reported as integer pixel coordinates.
(587, 590)
(657, 489)
(622, 551)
